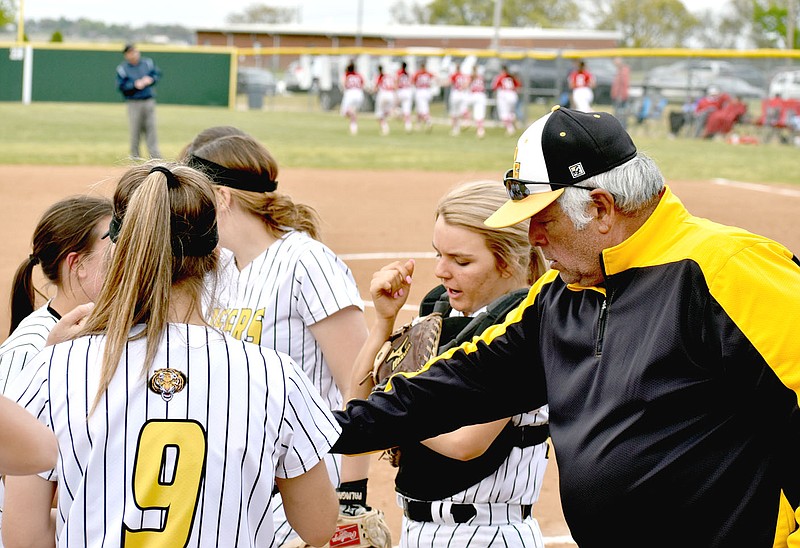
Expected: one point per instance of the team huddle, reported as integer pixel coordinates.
(203, 374)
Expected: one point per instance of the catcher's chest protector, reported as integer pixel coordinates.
(458, 330)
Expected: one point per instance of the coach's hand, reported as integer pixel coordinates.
(70, 324)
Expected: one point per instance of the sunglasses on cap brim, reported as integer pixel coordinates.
(517, 189)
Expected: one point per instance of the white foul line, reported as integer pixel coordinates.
(758, 187)
(372, 256)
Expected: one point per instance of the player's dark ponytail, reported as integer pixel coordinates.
(68, 226)
(23, 293)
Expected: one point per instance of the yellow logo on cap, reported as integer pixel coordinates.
(515, 171)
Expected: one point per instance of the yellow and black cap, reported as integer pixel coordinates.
(561, 149)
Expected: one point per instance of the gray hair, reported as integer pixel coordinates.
(636, 184)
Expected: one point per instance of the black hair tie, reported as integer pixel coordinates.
(172, 181)
(33, 259)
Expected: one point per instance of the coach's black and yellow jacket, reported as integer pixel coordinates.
(671, 387)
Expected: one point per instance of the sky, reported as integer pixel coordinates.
(210, 13)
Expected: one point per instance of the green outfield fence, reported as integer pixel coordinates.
(86, 74)
(206, 75)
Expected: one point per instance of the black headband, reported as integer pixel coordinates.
(185, 242)
(233, 178)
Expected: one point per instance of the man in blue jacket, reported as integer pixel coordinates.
(136, 77)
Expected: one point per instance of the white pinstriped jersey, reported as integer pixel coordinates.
(518, 481)
(24, 343)
(246, 415)
(272, 301)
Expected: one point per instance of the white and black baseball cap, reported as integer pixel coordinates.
(560, 149)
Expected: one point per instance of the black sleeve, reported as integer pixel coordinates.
(499, 375)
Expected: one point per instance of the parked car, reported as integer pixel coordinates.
(748, 73)
(254, 80)
(692, 78)
(547, 78)
(785, 84)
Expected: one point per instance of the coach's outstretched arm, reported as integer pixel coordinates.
(478, 382)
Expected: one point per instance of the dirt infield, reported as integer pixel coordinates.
(368, 216)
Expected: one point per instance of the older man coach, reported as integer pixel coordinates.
(665, 345)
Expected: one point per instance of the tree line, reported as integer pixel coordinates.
(734, 24)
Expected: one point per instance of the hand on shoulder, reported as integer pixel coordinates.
(70, 324)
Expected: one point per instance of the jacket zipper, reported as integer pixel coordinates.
(601, 328)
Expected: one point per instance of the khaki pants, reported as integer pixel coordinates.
(142, 120)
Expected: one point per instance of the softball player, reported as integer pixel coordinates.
(68, 246)
(284, 289)
(422, 80)
(505, 87)
(476, 486)
(581, 82)
(155, 410)
(405, 95)
(385, 99)
(353, 96)
(459, 100)
(477, 98)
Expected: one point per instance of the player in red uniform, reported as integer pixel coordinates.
(353, 96)
(423, 80)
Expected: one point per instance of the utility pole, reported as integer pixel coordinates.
(21, 22)
(359, 18)
(791, 18)
(498, 12)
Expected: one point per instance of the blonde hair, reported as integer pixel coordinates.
(159, 215)
(206, 136)
(470, 204)
(244, 153)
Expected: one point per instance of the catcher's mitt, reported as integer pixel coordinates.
(408, 348)
(366, 530)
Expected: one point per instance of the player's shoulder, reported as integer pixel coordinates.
(301, 243)
(32, 330)
(271, 360)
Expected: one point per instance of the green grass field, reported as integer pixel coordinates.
(300, 134)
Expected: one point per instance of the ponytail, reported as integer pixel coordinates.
(68, 226)
(23, 293)
(166, 237)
